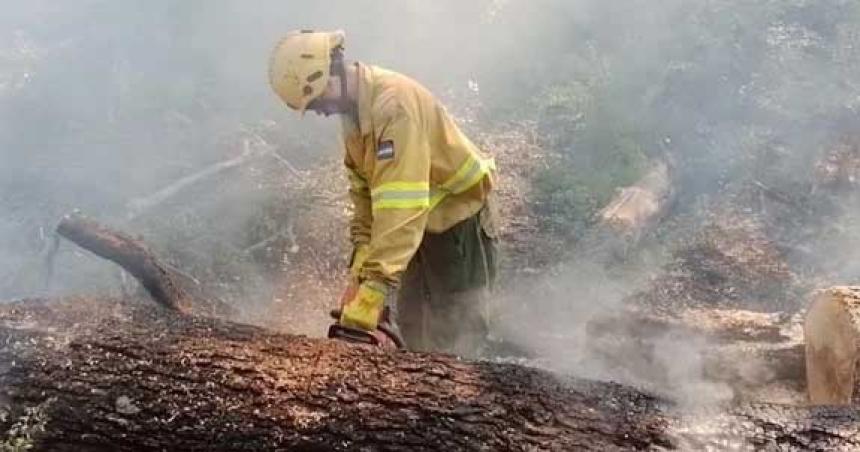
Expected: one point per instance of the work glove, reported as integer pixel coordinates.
(364, 310)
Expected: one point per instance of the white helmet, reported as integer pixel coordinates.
(300, 66)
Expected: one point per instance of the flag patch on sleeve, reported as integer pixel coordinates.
(385, 151)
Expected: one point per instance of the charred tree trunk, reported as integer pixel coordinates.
(118, 377)
(99, 375)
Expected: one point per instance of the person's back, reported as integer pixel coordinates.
(458, 183)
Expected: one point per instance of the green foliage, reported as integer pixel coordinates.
(598, 150)
(718, 85)
(565, 204)
(567, 197)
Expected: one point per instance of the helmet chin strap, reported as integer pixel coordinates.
(338, 68)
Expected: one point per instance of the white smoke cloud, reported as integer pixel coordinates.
(104, 101)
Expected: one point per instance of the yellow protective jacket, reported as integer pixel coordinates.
(411, 170)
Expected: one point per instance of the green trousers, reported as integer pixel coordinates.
(443, 300)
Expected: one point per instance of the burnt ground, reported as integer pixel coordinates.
(729, 278)
(730, 275)
(706, 307)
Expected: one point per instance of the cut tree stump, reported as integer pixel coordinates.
(832, 336)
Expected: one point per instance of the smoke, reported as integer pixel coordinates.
(103, 102)
(734, 93)
(107, 102)
(577, 320)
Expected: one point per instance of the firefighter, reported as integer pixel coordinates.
(423, 228)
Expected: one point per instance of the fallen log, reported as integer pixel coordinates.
(636, 208)
(838, 170)
(776, 428)
(747, 352)
(98, 375)
(115, 376)
(141, 205)
(138, 206)
(832, 336)
(130, 254)
(167, 285)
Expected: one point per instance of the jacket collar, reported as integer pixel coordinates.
(364, 104)
(365, 98)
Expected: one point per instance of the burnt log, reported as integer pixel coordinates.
(117, 376)
(99, 375)
(749, 352)
(130, 254)
(163, 283)
(635, 209)
(769, 427)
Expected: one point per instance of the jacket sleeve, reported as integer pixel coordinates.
(400, 197)
(359, 193)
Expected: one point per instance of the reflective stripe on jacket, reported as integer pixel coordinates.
(411, 170)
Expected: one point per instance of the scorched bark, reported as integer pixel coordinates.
(109, 375)
(130, 254)
(116, 376)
